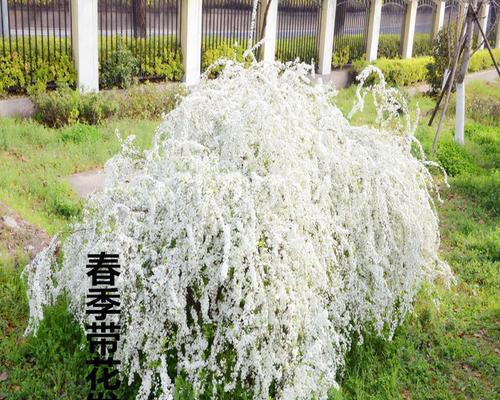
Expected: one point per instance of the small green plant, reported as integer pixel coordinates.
(455, 159)
(11, 72)
(65, 106)
(340, 57)
(23, 65)
(57, 108)
(120, 70)
(224, 50)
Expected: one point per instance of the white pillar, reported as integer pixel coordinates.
(5, 18)
(191, 14)
(483, 20)
(373, 30)
(460, 113)
(268, 48)
(84, 43)
(409, 29)
(328, 8)
(497, 41)
(438, 18)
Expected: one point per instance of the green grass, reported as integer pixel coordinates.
(36, 161)
(448, 351)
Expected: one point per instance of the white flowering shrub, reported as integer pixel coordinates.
(259, 232)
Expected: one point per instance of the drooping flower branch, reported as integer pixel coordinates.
(256, 235)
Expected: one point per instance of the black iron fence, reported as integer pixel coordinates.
(350, 31)
(451, 10)
(226, 26)
(424, 26)
(391, 27)
(150, 30)
(36, 40)
(298, 30)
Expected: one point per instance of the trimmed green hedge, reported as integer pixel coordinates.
(407, 72)
(400, 72)
(481, 60)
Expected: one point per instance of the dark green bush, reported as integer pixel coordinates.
(57, 108)
(120, 70)
(455, 159)
(158, 55)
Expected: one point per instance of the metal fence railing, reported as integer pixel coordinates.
(451, 11)
(226, 26)
(298, 30)
(424, 24)
(350, 30)
(149, 29)
(35, 34)
(391, 27)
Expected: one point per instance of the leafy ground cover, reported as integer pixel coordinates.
(447, 349)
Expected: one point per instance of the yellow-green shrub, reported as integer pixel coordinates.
(482, 60)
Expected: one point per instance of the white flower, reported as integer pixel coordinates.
(261, 224)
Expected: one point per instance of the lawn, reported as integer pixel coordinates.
(447, 349)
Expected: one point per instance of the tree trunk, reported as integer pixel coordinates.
(139, 18)
(460, 93)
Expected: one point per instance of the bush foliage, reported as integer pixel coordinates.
(35, 68)
(66, 106)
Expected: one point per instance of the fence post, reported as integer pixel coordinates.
(483, 20)
(268, 49)
(84, 43)
(409, 29)
(373, 30)
(5, 18)
(327, 26)
(438, 18)
(191, 14)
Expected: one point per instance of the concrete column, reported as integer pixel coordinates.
(438, 23)
(84, 43)
(483, 20)
(5, 18)
(191, 14)
(328, 8)
(409, 29)
(373, 30)
(268, 48)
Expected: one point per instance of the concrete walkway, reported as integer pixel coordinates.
(86, 183)
(490, 75)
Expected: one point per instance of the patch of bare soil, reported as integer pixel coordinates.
(17, 234)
